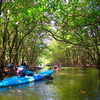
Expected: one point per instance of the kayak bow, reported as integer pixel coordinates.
(21, 80)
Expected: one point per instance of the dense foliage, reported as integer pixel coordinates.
(21, 36)
(77, 23)
(25, 24)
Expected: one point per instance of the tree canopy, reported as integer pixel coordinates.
(25, 24)
(77, 23)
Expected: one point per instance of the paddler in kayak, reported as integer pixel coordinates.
(22, 71)
(55, 67)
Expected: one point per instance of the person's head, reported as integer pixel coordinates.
(10, 65)
(23, 63)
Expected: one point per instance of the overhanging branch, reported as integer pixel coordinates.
(58, 38)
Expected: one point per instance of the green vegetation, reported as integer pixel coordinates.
(25, 24)
(21, 36)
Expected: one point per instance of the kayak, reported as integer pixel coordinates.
(26, 79)
(56, 69)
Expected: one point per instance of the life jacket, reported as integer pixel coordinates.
(55, 66)
(19, 70)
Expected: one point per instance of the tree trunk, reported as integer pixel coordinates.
(98, 62)
(0, 6)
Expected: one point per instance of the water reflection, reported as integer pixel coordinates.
(67, 84)
(28, 90)
(78, 83)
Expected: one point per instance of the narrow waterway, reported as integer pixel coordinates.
(69, 83)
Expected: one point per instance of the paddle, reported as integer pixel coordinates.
(49, 77)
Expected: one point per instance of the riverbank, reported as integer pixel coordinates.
(8, 72)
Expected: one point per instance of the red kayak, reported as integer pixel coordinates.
(56, 69)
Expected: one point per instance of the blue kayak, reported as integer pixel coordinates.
(21, 80)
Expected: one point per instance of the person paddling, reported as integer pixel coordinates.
(22, 71)
(55, 66)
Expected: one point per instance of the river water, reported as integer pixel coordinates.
(69, 83)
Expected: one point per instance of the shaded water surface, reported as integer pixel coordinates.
(69, 83)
